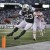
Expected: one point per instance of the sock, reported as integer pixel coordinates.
(15, 29)
(44, 31)
(41, 33)
(34, 35)
(22, 33)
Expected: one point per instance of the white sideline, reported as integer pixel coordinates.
(35, 46)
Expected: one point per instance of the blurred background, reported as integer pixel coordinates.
(25, 1)
(9, 18)
(8, 13)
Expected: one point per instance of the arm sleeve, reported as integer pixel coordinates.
(20, 12)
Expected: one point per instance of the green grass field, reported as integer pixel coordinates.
(25, 39)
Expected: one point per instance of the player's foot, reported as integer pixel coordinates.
(34, 39)
(10, 34)
(16, 37)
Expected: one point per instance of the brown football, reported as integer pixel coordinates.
(7, 20)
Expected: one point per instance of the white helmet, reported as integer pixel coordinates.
(25, 7)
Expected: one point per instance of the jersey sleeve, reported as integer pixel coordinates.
(20, 12)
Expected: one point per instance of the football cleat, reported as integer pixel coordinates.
(16, 37)
(34, 39)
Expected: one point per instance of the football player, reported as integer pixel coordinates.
(38, 19)
(28, 21)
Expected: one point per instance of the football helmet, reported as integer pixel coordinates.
(25, 7)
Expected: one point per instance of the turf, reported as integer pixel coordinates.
(25, 39)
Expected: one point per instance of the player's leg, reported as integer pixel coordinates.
(11, 34)
(41, 32)
(34, 31)
(41, 29)
(44, 30)
(28, 25)
(22, 24)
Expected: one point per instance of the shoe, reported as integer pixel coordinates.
(16, 37)
(10, 34)
(34, 39)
